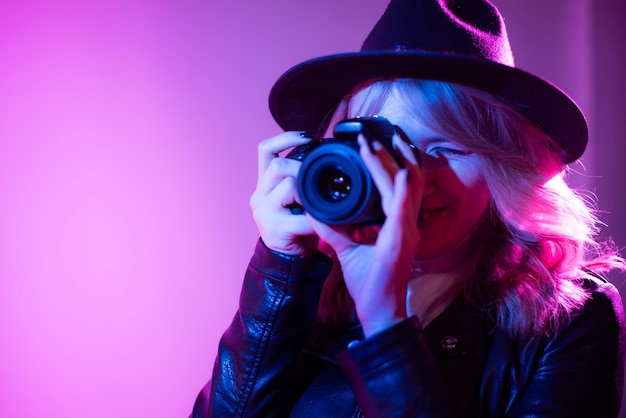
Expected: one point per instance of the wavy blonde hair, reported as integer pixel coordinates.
(539, 236)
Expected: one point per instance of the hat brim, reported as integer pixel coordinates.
(303, 96)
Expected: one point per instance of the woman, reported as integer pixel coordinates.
(478, 295)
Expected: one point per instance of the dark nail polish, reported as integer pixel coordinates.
(307, 134)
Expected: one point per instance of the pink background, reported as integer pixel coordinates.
(128, 133)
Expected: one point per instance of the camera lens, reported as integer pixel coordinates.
(336, 183)
(335, 186)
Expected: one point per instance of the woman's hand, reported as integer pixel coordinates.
(376, 271)
(280, 229)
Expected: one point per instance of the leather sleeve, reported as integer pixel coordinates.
(394, 374)
(254, 370)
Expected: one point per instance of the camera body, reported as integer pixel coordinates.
(334, 184)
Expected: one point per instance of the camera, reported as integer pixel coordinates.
(334, 184)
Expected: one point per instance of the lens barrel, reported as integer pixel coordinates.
(336, 187)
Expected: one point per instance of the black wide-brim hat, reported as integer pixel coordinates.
(460, 41)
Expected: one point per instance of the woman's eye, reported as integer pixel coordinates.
(447, 151)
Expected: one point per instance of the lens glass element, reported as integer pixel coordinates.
(334, 184)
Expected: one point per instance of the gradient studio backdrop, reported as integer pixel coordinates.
(128, 133)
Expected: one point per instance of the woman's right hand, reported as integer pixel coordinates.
(280, 229)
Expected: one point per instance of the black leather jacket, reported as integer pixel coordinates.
(460, 365)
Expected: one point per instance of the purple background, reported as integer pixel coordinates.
(128, 133)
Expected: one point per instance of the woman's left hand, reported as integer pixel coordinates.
(376, 271)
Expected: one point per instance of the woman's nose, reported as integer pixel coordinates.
(429, 185)
(428, 172)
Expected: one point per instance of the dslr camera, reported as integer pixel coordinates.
(334, 184)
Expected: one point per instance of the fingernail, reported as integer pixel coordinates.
(376, 145)
(307, 134)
